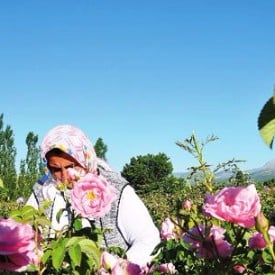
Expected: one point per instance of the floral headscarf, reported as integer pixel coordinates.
(72, 141)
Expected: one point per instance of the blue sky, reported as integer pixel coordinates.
(141, 74)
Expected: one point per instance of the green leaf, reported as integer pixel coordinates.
(43, 221)
(46, 255)
(92, 251)
(15, 214)
(266, 122)
(45, 205)
(24, 214)
(28, 212)
(77, 224)
(59, 213)
(73, 241)
(267, 257)
(1, 183)
(75, 254)
(58, 254)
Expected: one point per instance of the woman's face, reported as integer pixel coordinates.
(58, 165)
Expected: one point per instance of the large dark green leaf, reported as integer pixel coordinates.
(266, 122)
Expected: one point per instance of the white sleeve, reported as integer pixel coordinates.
(32, 201)
(137, 227)
(50, 193)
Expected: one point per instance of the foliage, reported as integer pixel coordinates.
(266, 121)
(195, 242)
(7, 206)
(199, 243)
(172, 191)
(74, 250)
(267, 195)
(78, 250)
(31, 168)
(15, 185)
(101, 148)
(148, 173)
(7, 160)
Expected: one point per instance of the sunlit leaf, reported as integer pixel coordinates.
(92, 251)
(266, 122)
(77, 224)
(1, 183)
(46, 255)
(75, 254)
(58, 255)
(73, 240)
(267, 257)
(59, 213)
(24, 214)
(28, 212)
(43, 221)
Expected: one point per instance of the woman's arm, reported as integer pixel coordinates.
(137, 227)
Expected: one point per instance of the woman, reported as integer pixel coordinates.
(66, 148)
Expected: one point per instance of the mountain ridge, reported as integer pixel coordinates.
(260, 174)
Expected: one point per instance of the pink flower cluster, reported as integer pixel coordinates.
(112, 265)
(257, 240)
(17, 246)
(92, 196)
(208, 242)
(187, 205)
(167, 229)
(164, 268)
(238, 205)
(167, 268)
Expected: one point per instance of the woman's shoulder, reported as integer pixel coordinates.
(43, 182)
(113, 177)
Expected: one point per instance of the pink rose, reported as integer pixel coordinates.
(187, 205)
(17, 245)
(112, 265)
(92, 196)
(257, 240)
(239, 268)
(234, 204)
(167, 229)
(108, 261)
(124, 267)
(208, 243)
(167, 268)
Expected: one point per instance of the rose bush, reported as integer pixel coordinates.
(208, 243)
(76, 249)
(224, 232)
(217, 229)
(218, 242)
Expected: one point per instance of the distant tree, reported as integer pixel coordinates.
(269, 183)
(31, 168)
(148, 173)
(7, 160)
(101, 148)
(239, 178)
